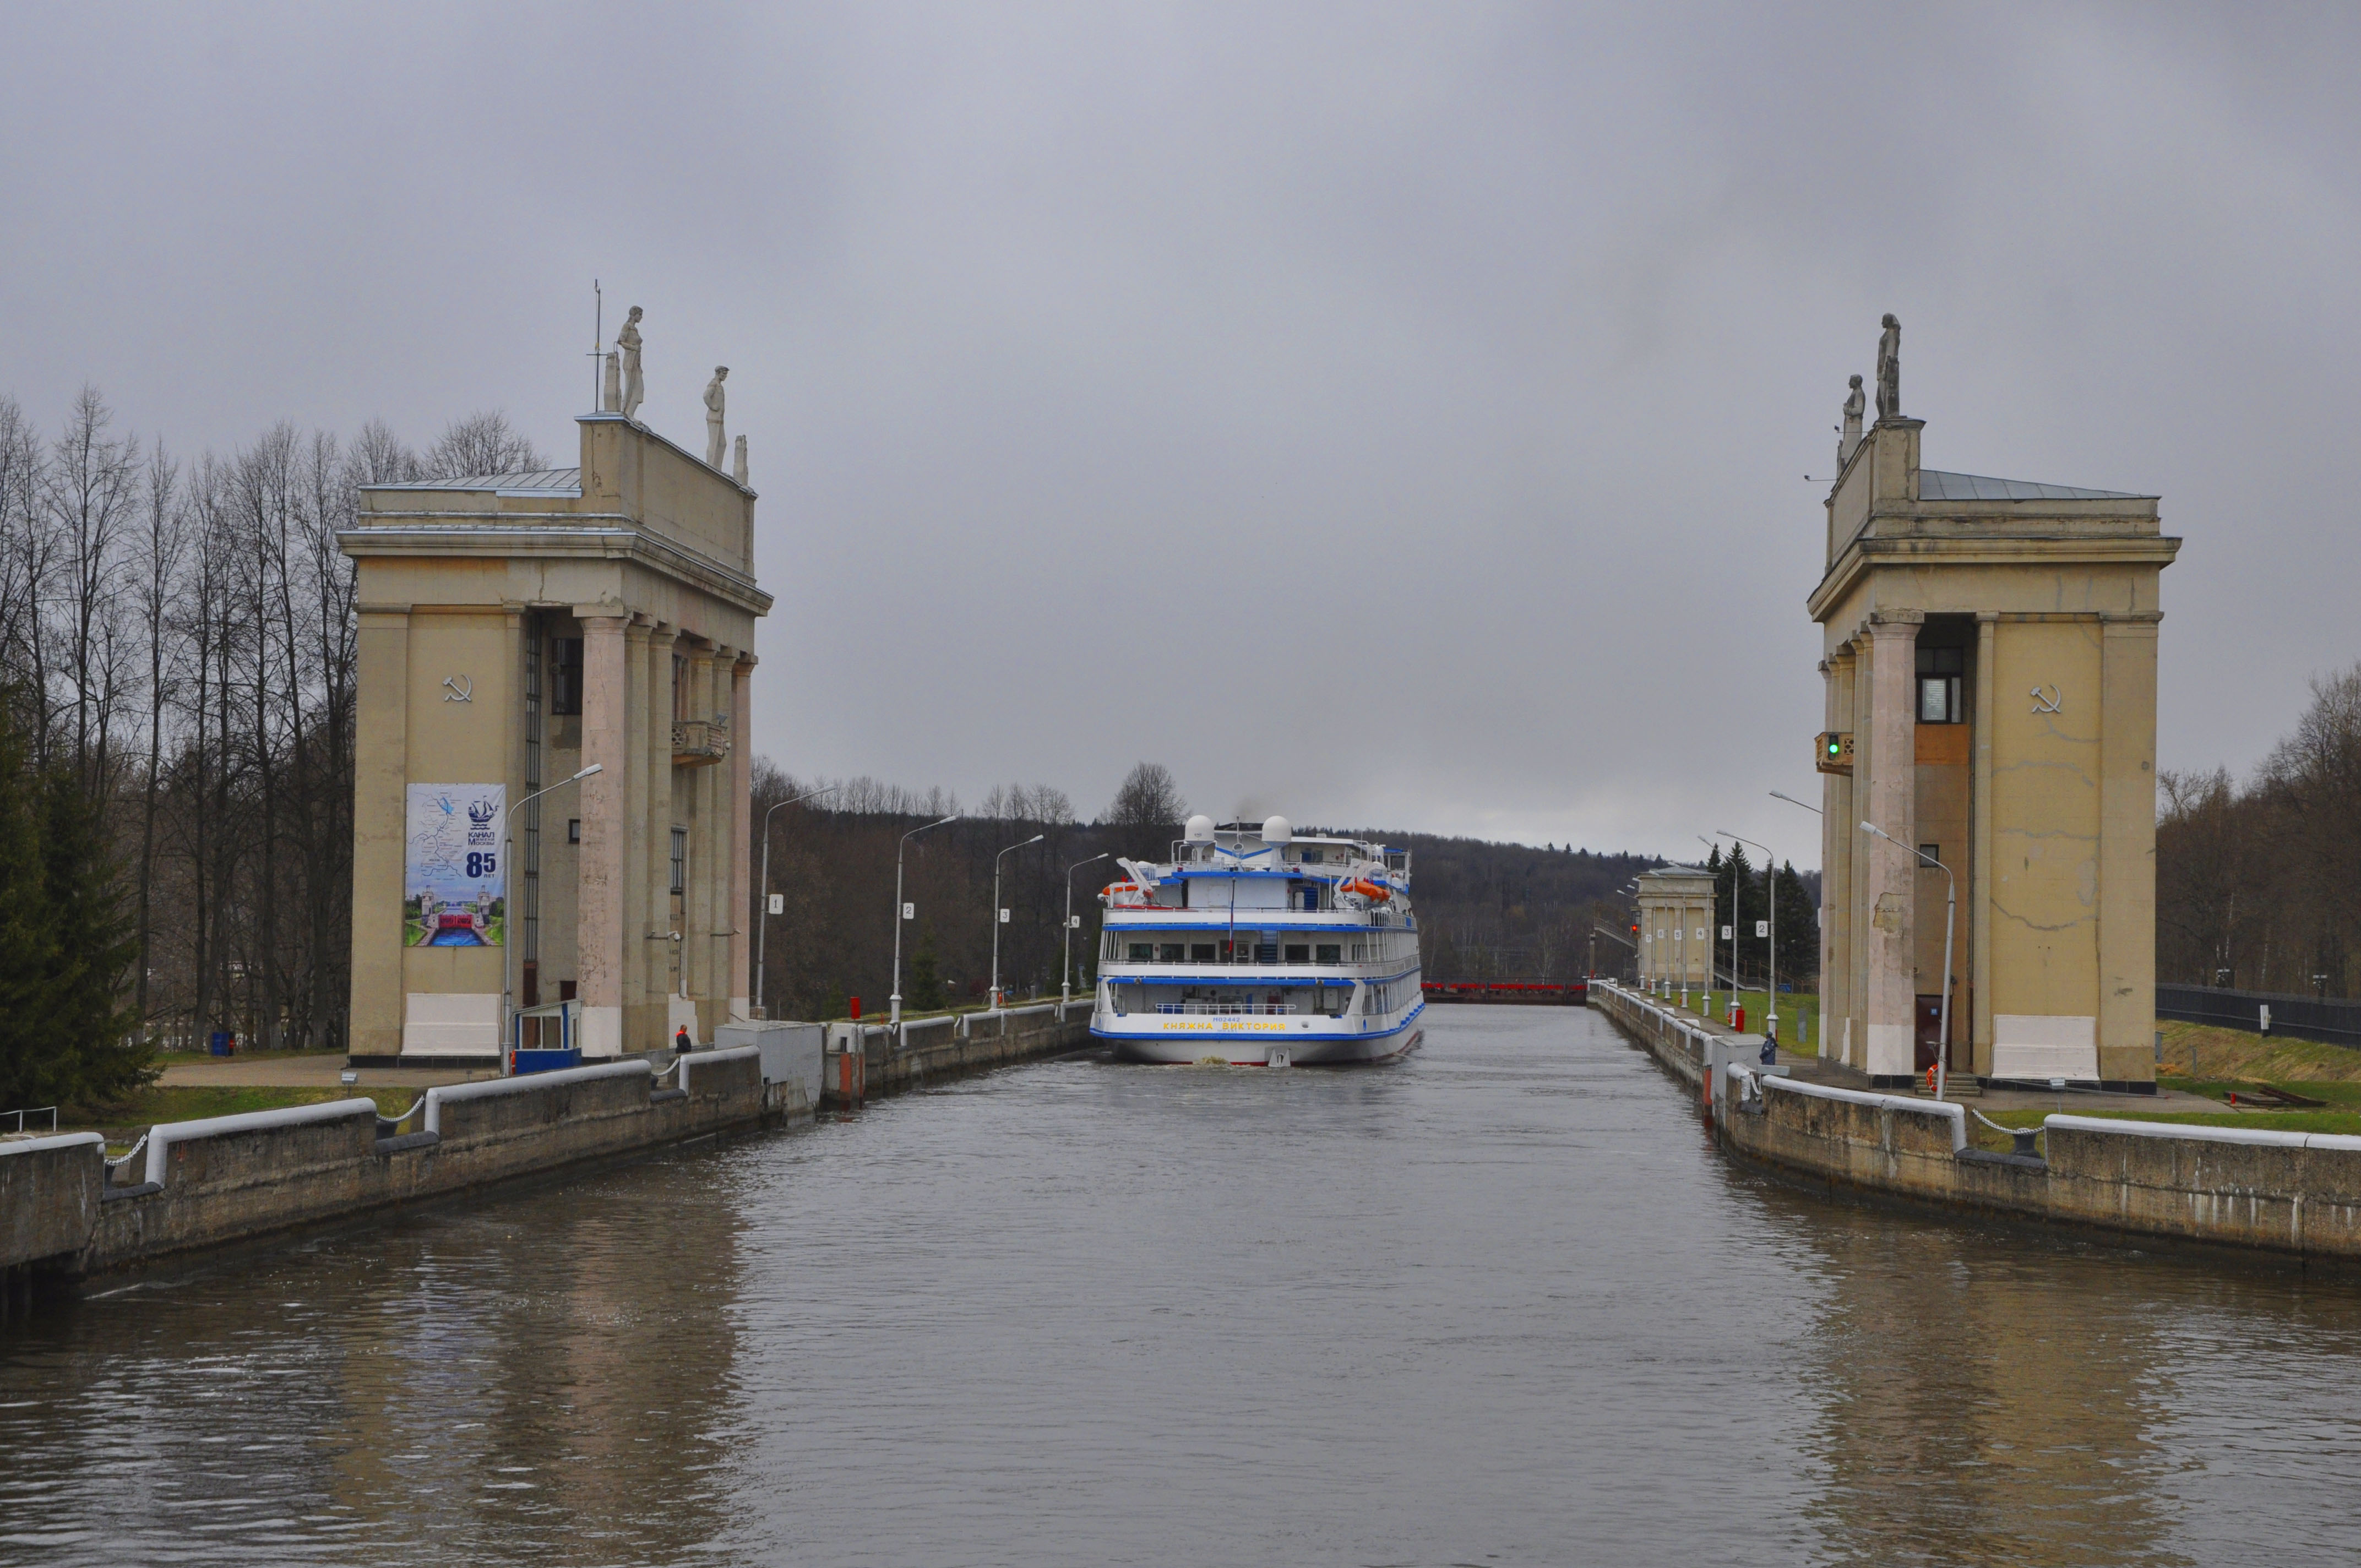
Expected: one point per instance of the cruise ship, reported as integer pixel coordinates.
(1258, 947)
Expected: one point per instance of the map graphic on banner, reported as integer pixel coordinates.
(453, 888)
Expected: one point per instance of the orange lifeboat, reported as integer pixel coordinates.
(1373, 892)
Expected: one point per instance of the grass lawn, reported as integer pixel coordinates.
(2203, 1051)
(2298, 1121)
(123, 1123)
(1795, 1008)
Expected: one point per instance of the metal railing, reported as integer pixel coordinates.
(35, 1110)
(1227, 1009)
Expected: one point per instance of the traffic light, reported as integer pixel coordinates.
(1832, 752)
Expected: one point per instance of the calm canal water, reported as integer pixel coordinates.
(1499, 1304)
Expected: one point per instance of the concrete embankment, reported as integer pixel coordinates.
(867, 1061)
(65, 1211)
(2292, 1193)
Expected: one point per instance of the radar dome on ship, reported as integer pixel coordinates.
(1277, 830)
(1200, 830)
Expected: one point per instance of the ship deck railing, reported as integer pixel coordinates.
(1226, 1009)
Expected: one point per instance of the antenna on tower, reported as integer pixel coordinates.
(598, 336)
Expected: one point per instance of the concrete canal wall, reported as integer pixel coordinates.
(2293, 1193)
(867, 1061)
(65, 1212)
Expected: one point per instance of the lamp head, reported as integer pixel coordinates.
(593, 768)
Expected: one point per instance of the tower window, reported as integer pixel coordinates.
(1939, 673)
(566, 676)
(680, 860)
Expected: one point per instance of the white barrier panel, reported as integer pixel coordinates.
(164, 1134)
(51, 1141)
(2260, 1137)
(443, 1094)
(1955, 1114)
(715, 1058)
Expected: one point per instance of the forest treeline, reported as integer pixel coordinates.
(1485, 909)
(2259, 885)
(177, 646)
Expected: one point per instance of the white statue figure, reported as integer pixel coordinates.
(627, 343)
(1851, 436)
(717, 445)
(738, 461)
(1889, 369)
(611, 390)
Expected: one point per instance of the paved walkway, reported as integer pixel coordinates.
(320, 1069)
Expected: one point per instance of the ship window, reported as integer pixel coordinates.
(1266, 952)
(1169, 952)
(1298, 952)
(1331, 953)
(1202, 952)
(1314, 857)
(1141, 952)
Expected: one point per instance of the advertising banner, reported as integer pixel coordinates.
(454, 887)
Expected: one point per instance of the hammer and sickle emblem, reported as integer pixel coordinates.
(458, 688)
(2044, 704)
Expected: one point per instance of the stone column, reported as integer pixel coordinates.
(1859, 897)
(741, 833)
(1889, 1000)
(599, 921)
(1836, 863)
(705, 846)
(655, 909)
(639, 961)
(1980, 853)
(2128, 847)
(381, 812)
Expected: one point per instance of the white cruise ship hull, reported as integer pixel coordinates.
(1255, 946)
(1253, 1042)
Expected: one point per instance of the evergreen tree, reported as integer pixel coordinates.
(28, 1074)
(100, 1052)
(925, 977)
(1799, 932)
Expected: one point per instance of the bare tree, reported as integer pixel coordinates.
(162, 549)
(482, 442)
(1148, 797)
(92, 489)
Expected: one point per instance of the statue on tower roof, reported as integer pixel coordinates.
(627, 343)
(1850, 437)
(1889, 369)
(716, 445)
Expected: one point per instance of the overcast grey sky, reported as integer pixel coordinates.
(1336, 404)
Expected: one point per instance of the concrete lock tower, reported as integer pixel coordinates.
(516, 628)
(1676, 929)
(1990, 664)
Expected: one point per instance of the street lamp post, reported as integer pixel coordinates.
(1950, 907)
(893, 1002)
(1000, 916)
(508, 939)
(1731, 1016)
(763, 928)
(1066, 979)
(1771, 966)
